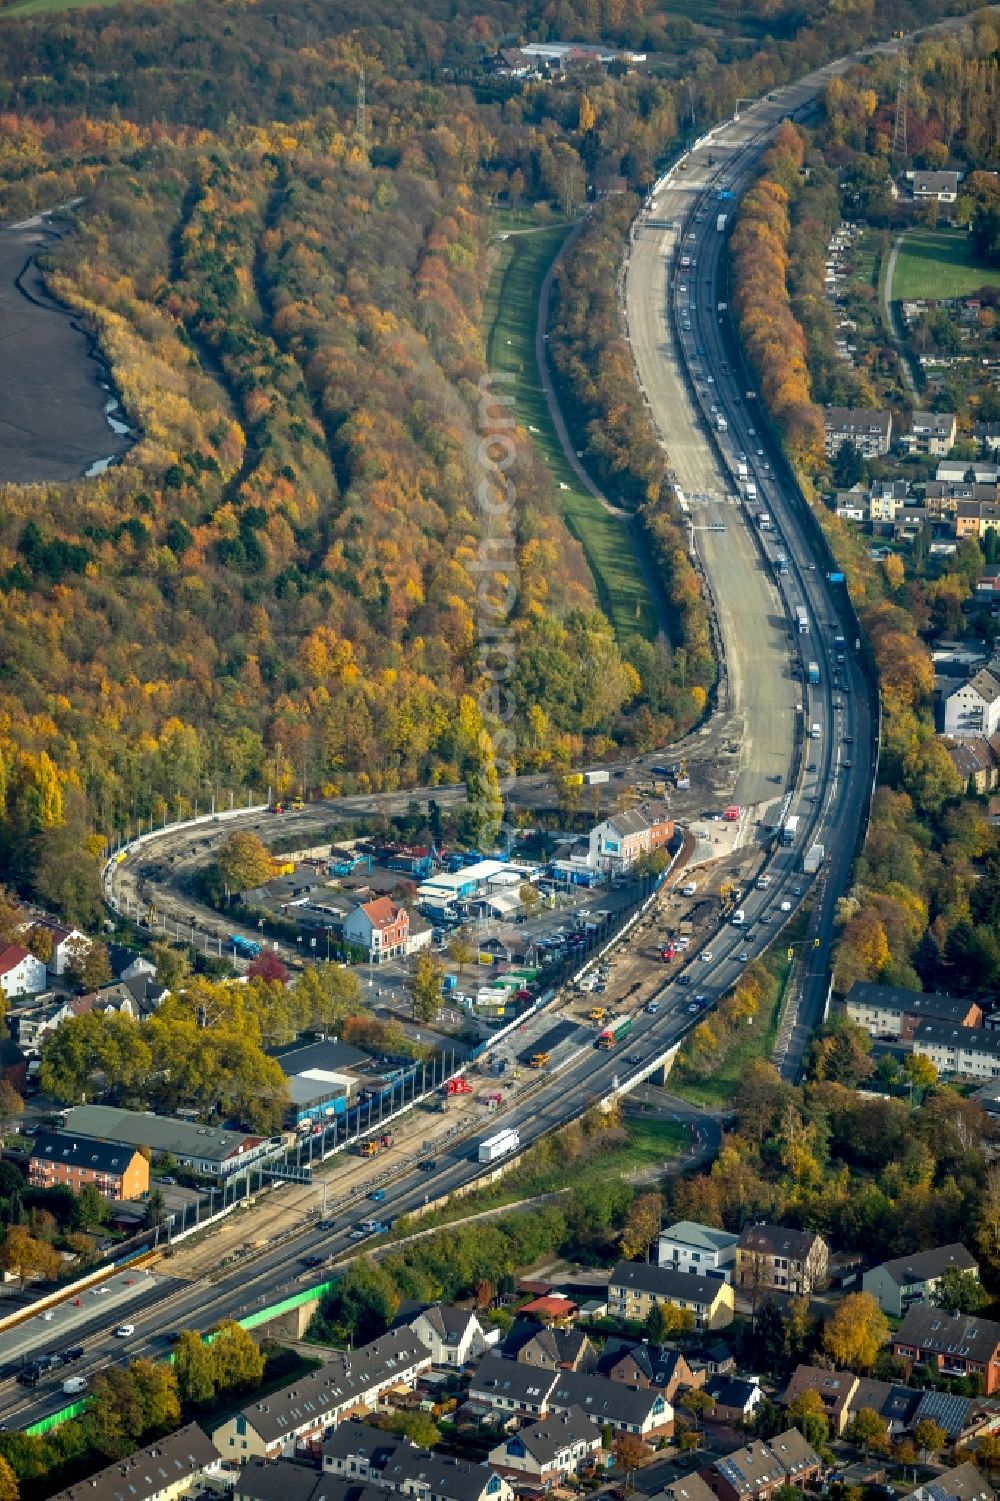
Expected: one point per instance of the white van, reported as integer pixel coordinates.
(815, 732)
(689, 889)
(739, 918)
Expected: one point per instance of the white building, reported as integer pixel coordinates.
(380, 927)
(931, 433)
(690, 1247)
(452, 1335)
(617, 843)
(973, 711)
(20, 972)
(968, 1052)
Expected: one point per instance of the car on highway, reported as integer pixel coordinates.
(311, 1261)
(327, 1225)
(634, 1059)
(848, 739)
(694, 1008)
(377, 1195)
(124, 1331)
(428, 1165)
(847, 765)
(701, 1000)
(684, 979)
(796, 891)
(653, 1008)
(71, 1353)
(786, 906)
(707, 956)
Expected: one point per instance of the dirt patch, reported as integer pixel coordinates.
(53, 406)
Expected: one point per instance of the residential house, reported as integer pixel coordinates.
(454, 1336)
(625, 1409)
(987, 433)
(895, 1404)
(639, 1363)
(968, 1052)
(552, 1308)
(62, 1159)
(617, 843)
(948, 1411)
(974, 518)
(635, 1289)
(128, 964)
(884, 508)
(974, 708)
(788, 1261)
(976, 762)
(358, 1451)
(942, 187)
(511, 62)
(893, 1011)
(686, 1488)
(511, 1389)
(544, 1453)
(386, 1463)
(171, 1467)
(988, 582)
(20, 972)
(931, 433)
(754, 1472)
(380, 927)
(956, 1344)
(206, 1150)
(912, 1279)
(868, 428)
(735, 1397)
(349, 1384)
(962, 469)
(701, 1249)
(963, 1483)
(711, 1358)
(65, 941)
(285, 1480)
(834, 1389)
(550, 1349)
(13, 1064)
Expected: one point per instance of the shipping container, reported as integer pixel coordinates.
(499, 1145)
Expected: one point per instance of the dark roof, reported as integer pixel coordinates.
(334, 1385)
(122, 958)
(520, 1333)
(330, 1056)
(436, 1474)
(665, 1282)
(280, 1480)
(547, 1438)
(111, 1157)
(924, 1266)
(602, 1400)
(963, 1483)
(927, 1327)
(963, 1039)
(949, 1412)
(731, 1391)
(778, 1240)
(658, 1363)
(497, 1377)
(358, 1439)
(935, 1004)
(181, 1456)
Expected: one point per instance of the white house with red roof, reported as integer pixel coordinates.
(380, 927)
(20, 972)
(64, 940)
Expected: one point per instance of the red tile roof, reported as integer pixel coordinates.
(382, 912)
(11, 957)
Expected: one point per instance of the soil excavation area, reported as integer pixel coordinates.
(54, 409)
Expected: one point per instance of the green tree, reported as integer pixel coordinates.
(173, 964)
(855, 1332)
(363, 1304)
(89, 966)
(867, 1428)
(244, 862)
(420, 1427)
(807, 1414)
(642, 1226)
(460, 950)
(25, 1256)
(325, 994)
(530, 896)
(425, 987)
(961, 1292)
(91, 1208)
(929, 1437)
(194, 1366)
(237, 1361)
(920, 1070)
(11, 1105)
(156, 1209)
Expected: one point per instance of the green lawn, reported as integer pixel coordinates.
(37, 7)
(650, 1144)
(510, 311)
(938, 263)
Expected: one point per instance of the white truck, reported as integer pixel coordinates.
(813, 858)
(721, 424)
(791, 829)
(499, 1145)
(596, 778)
(750, 491)
(742, 471)
(74, 1385)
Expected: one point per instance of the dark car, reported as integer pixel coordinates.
(327, 1225)
(311, 1261)
(75, 1352)
(428, 1165)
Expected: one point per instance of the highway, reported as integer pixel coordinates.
(686, 365)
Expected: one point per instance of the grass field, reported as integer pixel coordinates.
(938, 263)
(510, 311)
(650, 1144)
(38, 7)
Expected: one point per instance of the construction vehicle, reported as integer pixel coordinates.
(729, 895)
(539, 1060)
(668, 952)
(732, 813)
(596, 1014)
(457, 1086)
(375, 1144)
(296, 805)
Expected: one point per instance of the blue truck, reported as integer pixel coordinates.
(246, 948)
